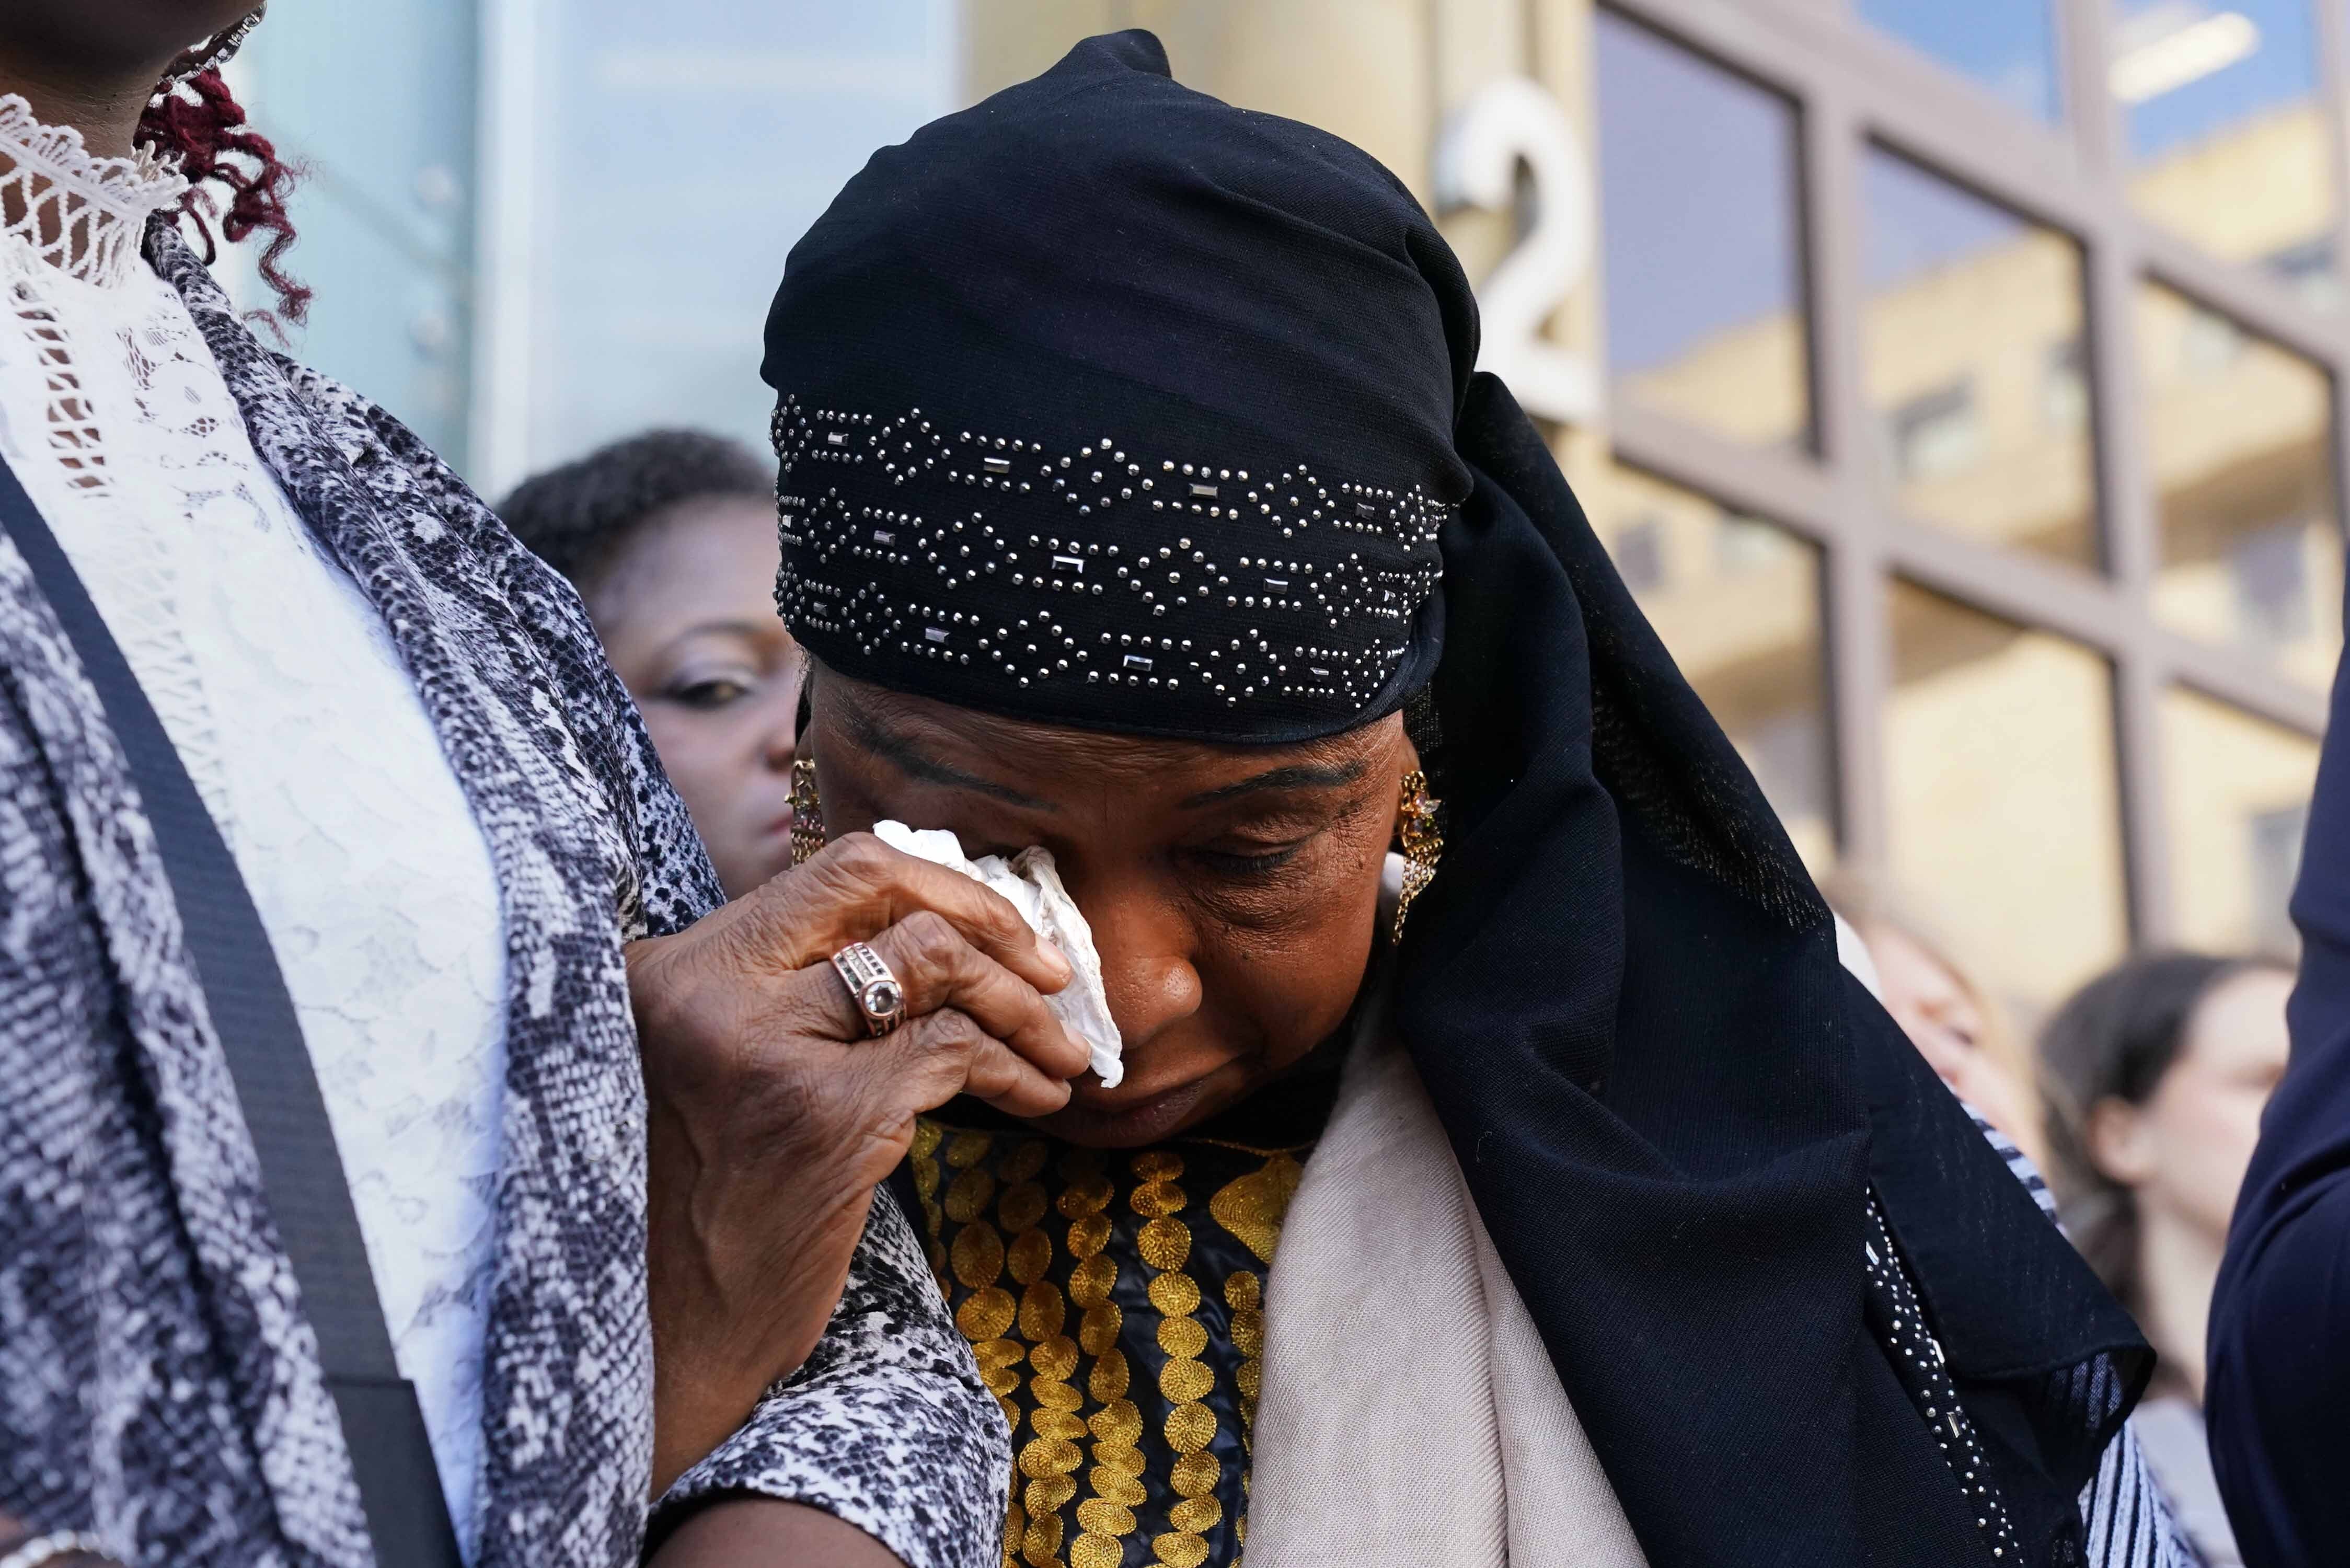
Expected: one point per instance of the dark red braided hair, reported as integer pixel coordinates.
(220, 154)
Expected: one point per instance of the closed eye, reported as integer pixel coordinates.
(1246, 865)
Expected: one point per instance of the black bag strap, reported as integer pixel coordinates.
(301, 1172)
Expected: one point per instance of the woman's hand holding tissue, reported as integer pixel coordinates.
(774, 1114)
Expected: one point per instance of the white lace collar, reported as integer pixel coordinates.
(82, 215)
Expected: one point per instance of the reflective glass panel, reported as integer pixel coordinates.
(683, 149)
(2240, 436)
(1699, 226)
(2236, 789)
(1973, 364)
(1737, 602)
(2009, 46)
(378, 101)
(2001, 806)
(2228, 133)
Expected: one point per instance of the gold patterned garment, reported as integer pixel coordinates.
(1114, 1299)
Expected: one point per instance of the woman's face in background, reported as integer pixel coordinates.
(1941, 1016)
(2186, 1149)
(687, 613)
(1231, 891)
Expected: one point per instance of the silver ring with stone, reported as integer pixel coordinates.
(875, 990)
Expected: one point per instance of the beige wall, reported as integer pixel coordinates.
(2003, 801)
(2263, 188)
(1362, 68)
(2225, 771)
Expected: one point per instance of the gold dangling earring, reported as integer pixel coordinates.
(808, 811)
(1423, 842)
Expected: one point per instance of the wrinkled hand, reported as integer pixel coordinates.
(774, 1115)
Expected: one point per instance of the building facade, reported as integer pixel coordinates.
(1958, 386)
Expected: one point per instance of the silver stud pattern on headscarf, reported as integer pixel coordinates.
(1288, 623)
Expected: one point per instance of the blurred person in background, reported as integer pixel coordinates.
(383, 1176)
(1960, 1032)
(2158, 1073)
(669, 537)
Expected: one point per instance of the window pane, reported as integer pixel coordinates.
(2237, 793)
(2228, 132)
(2001, 805)
(2009, 46)
(387, 213)
(1704, 278)
(2240, 435)
(658, 248)
(1737, 602)
(1973, 365)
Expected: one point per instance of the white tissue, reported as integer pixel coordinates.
(1033, 885)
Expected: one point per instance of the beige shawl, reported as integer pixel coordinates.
(1409, 1411)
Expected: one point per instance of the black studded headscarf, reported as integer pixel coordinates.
(1104, 403)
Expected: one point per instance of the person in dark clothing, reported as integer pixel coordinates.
(2279, 1353)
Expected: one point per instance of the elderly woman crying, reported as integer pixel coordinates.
(1501, 1166)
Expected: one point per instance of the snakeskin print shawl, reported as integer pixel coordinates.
(158, 1383)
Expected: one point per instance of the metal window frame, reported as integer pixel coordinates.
(1851, 86)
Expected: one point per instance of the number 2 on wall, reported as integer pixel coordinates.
(1508, 122)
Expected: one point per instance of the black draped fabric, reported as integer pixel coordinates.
(1669, 1098)
(1673, 1105)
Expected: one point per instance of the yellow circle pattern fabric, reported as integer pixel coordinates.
(1113, 1300)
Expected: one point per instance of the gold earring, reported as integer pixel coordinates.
(1423, 842)
(808, 811)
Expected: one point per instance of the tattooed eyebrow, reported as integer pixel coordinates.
(910, 760)
(1298, 776)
